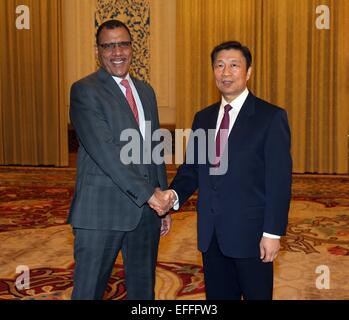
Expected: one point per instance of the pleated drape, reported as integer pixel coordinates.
(33, 116)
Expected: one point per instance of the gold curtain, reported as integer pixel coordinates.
(79, 41)
(33, 108)
(162, 55)
(200, 26)
(297, 66)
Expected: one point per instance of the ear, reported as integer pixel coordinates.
(97, 57)
(249, 72)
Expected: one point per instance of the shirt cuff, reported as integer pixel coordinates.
(271, 236)
(176, 204)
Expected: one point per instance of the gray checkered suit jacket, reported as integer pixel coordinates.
(110, 195)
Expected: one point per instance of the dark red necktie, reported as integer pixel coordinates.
(222, 134)
(130, 99)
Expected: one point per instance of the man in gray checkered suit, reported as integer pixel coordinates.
(111, 209)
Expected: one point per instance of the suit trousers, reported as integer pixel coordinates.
(95, 252)
(228, 278)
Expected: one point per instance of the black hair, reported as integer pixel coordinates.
(111, 24)
(232, 45)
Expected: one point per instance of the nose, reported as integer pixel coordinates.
(227, 71)
(116, 50)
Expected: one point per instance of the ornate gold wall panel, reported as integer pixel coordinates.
(136, 15)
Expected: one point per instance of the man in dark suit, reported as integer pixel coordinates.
(111, 210)
(243, 212)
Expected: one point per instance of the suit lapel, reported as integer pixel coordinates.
(239, 132)
(240, 129)
(146, 103)
(111, 86)
(212, 120)
(211, 125)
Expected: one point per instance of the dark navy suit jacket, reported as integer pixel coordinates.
(253, 196)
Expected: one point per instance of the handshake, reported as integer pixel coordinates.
(162, 201)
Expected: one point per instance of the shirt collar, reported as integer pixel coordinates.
(118, 80)
(237, 102)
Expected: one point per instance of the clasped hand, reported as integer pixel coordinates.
(162, 201)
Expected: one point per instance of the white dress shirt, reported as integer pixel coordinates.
(141, 117)
(236, 104)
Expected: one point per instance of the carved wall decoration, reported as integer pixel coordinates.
(136, 15)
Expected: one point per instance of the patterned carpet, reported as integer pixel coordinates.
(33, 209)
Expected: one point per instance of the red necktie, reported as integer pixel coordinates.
(222, 134)
(130, 99)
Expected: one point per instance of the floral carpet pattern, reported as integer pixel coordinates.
(34, 203)
(56, 284)
(318, 231)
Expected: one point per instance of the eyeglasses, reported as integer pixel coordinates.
(108, 47)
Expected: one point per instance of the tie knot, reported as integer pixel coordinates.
(125, 83)
(227, 108)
